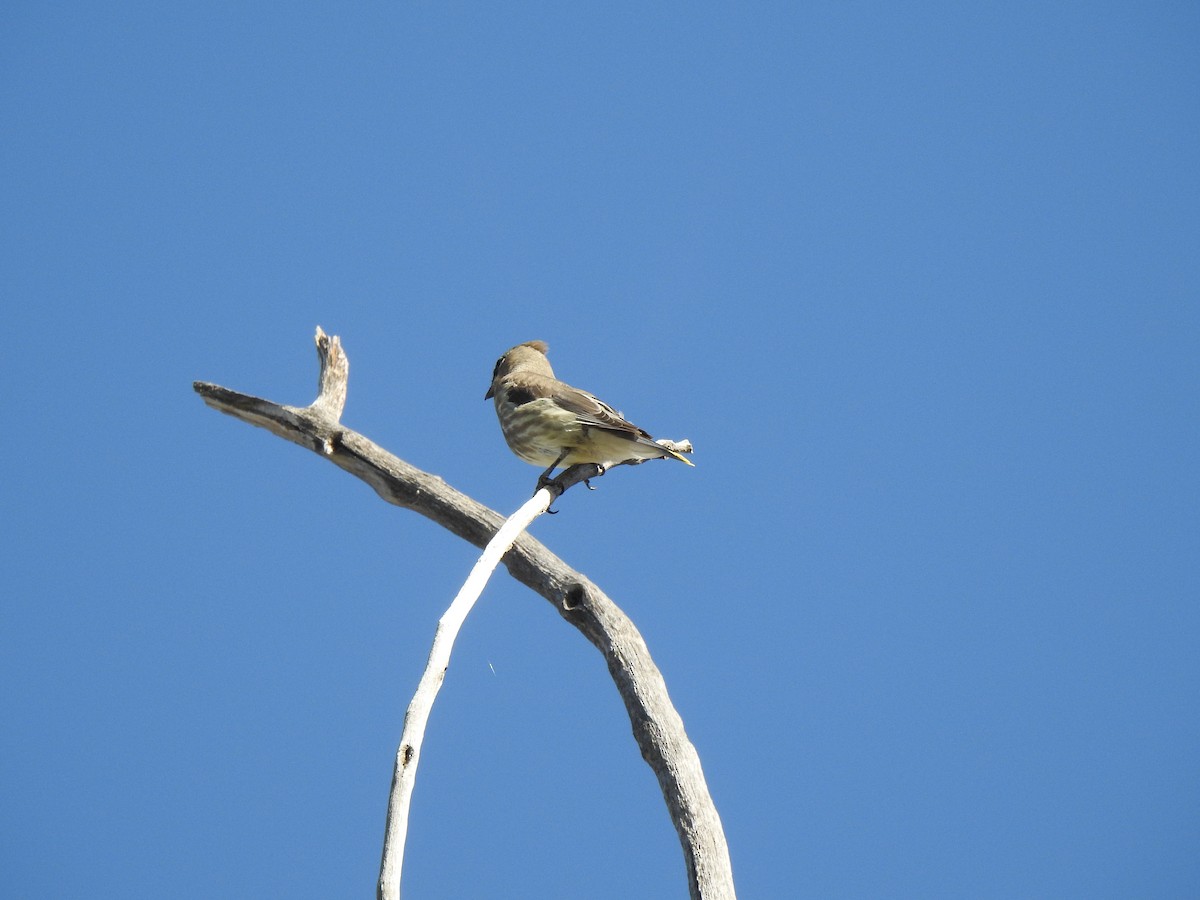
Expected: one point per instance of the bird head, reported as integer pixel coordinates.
(527, 357)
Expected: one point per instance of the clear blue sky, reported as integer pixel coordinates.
(922, 284)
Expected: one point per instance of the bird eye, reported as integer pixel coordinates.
(496, 370)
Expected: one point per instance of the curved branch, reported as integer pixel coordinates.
(657, 727)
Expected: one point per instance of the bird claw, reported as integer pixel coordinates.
(545, 481)
(552, 484)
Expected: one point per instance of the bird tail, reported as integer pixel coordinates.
(676, 449)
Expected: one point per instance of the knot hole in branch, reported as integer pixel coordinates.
(574, 597)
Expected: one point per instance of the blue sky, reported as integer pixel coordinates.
(921, 284)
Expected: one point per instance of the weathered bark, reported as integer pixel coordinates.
(657, 727)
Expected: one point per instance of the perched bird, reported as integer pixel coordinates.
(549, 423)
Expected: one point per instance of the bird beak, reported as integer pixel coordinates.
(490, 393)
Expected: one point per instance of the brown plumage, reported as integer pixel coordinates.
(549, 423)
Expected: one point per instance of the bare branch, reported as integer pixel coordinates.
(657, 727)
(408, 754)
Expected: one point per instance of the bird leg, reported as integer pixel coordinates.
(544, 479)
(556, 486)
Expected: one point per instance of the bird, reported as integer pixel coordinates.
(546, 422)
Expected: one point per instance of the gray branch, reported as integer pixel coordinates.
(657, 727)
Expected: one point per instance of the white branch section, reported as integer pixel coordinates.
(408, 754)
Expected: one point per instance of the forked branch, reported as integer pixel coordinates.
(657, 727)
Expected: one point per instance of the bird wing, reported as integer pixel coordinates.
(595, 413)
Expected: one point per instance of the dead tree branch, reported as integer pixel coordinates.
(657, 727)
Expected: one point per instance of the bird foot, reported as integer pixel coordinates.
(545, 481)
